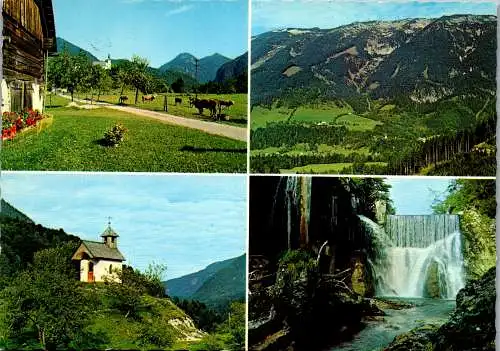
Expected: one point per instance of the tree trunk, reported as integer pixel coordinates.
(136, 95)
(121, 92)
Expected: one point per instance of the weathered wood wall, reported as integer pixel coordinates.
(23, 57)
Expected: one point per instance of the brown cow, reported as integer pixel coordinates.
(123, 98)
(201, 104)
(223, 104)
(148, 98)
(178, 100)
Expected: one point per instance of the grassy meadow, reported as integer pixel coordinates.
(236, 114)
(326, 114)
(380, 137)
(73, 143)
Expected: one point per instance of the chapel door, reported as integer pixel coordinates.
(90, 277)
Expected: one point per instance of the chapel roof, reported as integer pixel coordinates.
(101, 250)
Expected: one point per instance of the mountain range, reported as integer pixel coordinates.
(182, 66)
(424, 59)
(186, 63)
(216, 285)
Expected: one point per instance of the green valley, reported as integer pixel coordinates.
(381, 95)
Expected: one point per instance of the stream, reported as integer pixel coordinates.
(378, 334)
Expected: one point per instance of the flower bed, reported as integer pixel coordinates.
(13, 123)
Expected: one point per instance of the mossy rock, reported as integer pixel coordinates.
(432, 287)
(418, 339)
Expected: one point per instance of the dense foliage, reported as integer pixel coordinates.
(46, 303)
(278, 134)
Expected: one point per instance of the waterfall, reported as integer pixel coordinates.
(415, 252)
(420, 231)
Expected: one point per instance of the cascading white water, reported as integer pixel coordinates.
(412, 248)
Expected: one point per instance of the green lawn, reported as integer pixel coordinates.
(54, 101)
(237, 113)
(71, 143)
(327, 168)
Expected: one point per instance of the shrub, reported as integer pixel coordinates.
(115, 135)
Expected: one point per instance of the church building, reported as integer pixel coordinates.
(98, 260)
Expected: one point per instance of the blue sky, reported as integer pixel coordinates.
(156, 29)
(415, 196)
(277, 14)
(186, 222)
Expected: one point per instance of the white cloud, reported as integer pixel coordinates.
(179, 10)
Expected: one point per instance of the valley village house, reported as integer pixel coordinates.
(97, 260)
(29, 36)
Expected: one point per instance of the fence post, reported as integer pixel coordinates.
(165, 106)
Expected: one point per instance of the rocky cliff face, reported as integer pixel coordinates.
(421, 58)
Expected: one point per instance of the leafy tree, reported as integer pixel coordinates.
(47, 301)
(138, 75)
(69, 71)
(465, 194)
(178, 85)
(20, 240)
(125, 295)
(235, 326)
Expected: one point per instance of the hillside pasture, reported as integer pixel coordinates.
(357, 123)
(236, 114)
(260, 116)
(333, 168)
(72, 143)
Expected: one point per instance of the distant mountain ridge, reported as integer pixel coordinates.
(218, 283)
(232, 69)
(73, 49)
(424, 59)
(186, 63)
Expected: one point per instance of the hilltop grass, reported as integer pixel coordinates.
(237, 113)
(71, 143)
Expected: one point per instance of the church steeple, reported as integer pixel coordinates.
(110, 236)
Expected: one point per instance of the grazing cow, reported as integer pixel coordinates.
(224, 104)
(178, 100)
(201, 104)
(123, 98)
(148, 98)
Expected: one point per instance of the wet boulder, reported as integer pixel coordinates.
(472, 325)
(418, 339)
(432, 287)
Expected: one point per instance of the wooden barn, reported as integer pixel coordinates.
(29, 37)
